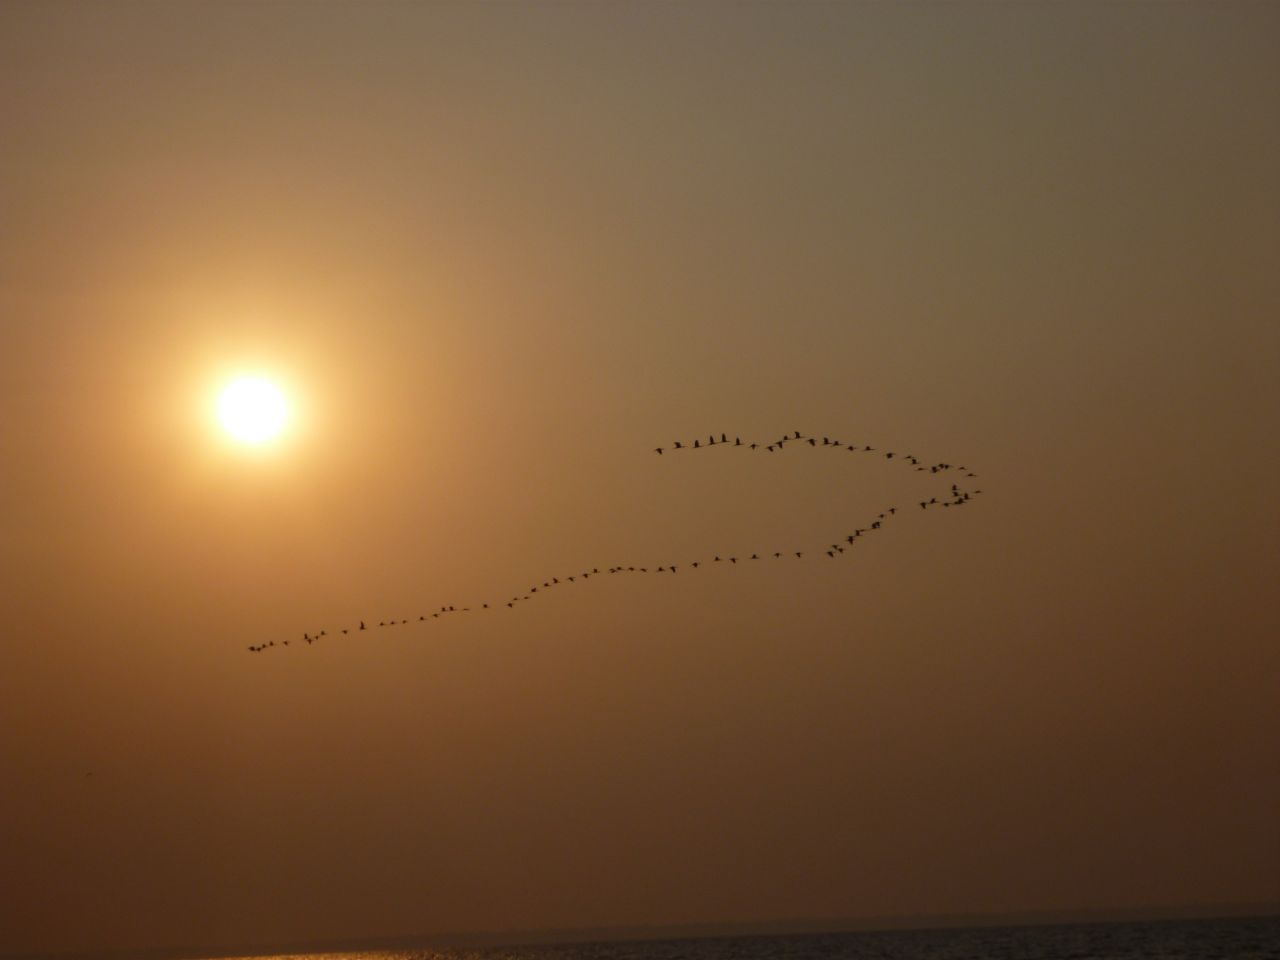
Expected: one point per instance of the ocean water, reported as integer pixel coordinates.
(1228, 939)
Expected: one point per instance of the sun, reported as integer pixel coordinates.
(252, 410)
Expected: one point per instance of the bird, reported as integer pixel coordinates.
(956, 497)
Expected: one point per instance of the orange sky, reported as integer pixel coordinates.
(497, 254)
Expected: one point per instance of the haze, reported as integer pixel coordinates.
(495, 255)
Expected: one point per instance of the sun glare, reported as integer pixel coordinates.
(252, 410)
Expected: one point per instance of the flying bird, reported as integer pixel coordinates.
(956, 497)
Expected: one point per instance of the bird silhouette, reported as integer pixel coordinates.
(955, 497)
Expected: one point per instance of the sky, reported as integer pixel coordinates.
(495, 255)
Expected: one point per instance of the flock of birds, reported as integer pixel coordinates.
(956, 496)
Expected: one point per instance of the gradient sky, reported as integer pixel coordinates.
(496, 254)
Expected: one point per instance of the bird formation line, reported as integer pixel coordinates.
(955, 496)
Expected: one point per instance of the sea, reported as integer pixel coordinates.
(1255, 938)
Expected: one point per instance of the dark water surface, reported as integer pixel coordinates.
(1237, 939)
